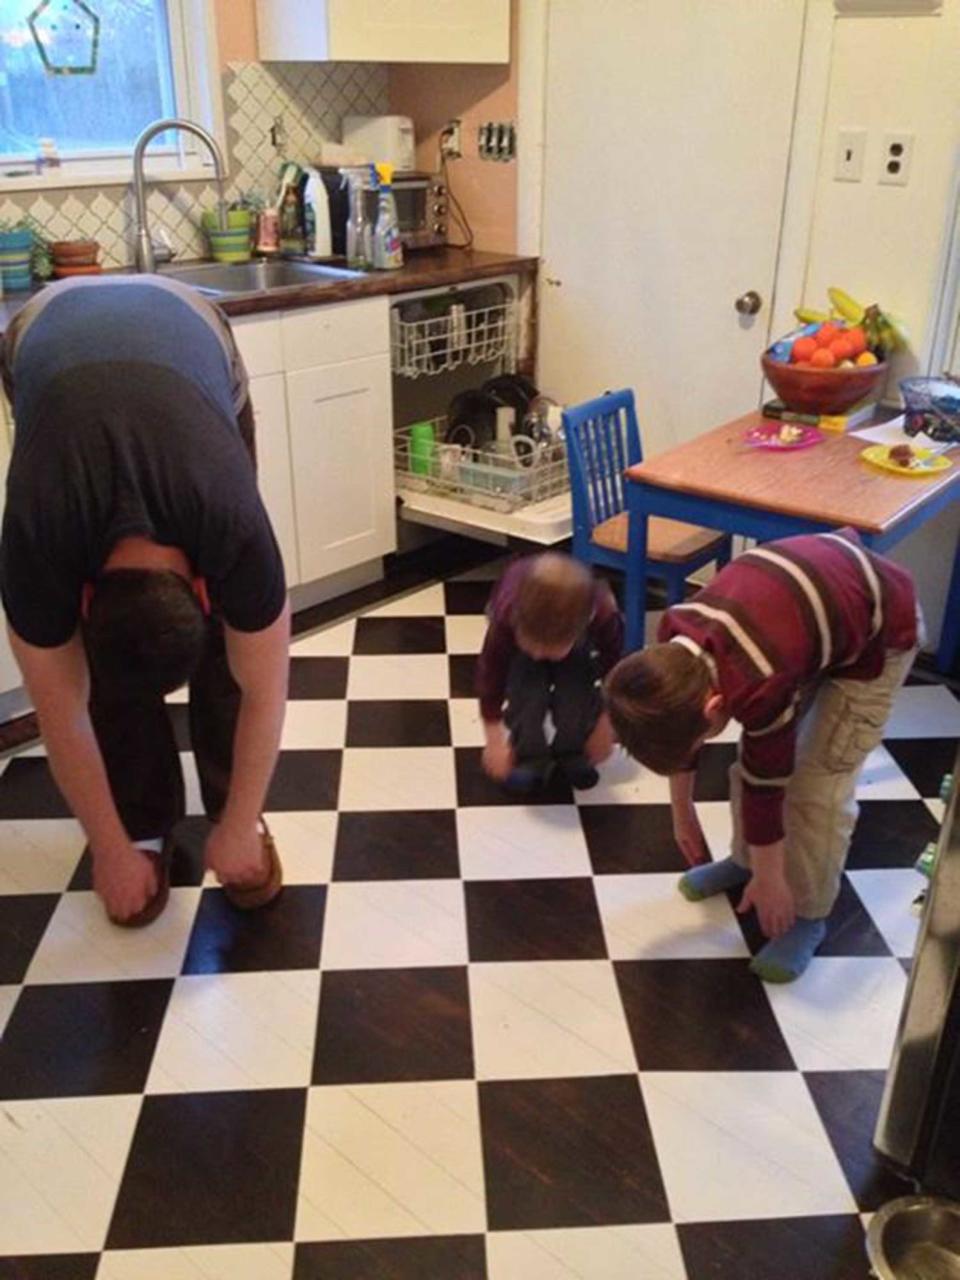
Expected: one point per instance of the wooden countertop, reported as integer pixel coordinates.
(827, 482)
(429, 269)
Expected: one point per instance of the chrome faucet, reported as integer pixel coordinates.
(145, 257)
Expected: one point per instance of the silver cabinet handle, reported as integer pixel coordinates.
(749, 303)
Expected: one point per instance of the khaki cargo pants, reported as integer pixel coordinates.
(843, 724)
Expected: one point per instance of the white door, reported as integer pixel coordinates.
(268, 396)
(668, 128)
(342, 450)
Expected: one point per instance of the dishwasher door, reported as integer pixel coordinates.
(918, 1129)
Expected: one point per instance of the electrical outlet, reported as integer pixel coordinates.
(450, 145)
(896, 159)
(851, 149)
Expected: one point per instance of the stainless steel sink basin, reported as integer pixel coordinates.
(222, 278)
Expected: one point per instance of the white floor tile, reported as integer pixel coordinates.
(937, 808)
(548, 1018)
(716, 819)
(200, 1262)
(888, 896)
(741, 1145)
(40, 855)
(315, 724)
(179, 696)
(465, 632)
(8, 998)
(426, 602)
(81, 945)
(61, 1161)
(398, 778)
(587, 1253)
(623, 781)
(412, 675)
(883, 779)
(237, 1031)
(191, 782)
(305, 841)
(521, 842)
(373, 924)
(645, 917)
(842, 1014)
(331, 642)
(391, 1160)
(466, 723)
(924, 711)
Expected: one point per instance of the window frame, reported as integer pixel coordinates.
(195, 60)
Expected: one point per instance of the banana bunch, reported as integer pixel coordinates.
(884, 332)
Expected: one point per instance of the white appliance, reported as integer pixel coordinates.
(382, 139)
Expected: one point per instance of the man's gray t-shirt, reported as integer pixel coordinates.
(125, 394)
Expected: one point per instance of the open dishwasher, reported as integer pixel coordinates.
(455, 351)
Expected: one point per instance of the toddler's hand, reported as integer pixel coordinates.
(498, 759)
(688, 834)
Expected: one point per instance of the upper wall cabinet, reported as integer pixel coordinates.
(384, 30)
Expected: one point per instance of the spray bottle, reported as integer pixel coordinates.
(359, 231)
(387, 248)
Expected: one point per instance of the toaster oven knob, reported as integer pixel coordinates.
(440, 228)
(439, 209)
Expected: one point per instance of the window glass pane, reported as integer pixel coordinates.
(132, 85)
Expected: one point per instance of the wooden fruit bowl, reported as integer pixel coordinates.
(822, 390)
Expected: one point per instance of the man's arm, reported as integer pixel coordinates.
(260, 663)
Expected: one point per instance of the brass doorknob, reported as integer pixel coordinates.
(749, 303)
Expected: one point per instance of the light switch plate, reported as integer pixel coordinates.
(851, 150)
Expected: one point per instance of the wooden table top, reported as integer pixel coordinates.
(827, 482)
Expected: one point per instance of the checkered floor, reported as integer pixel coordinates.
(471, 1039)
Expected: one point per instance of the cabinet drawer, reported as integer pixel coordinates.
(319, 336)
(258, 341)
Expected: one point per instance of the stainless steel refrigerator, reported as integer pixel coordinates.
(919, 1125)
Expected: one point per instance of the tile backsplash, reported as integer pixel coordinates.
(310, 98)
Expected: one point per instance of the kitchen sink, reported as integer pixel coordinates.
(254, 277)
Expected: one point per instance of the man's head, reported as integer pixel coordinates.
(146, 627)
(553, 607)
(663, 706)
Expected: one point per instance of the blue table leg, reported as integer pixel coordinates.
(635, 592)
(950, 632)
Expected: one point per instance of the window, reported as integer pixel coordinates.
(146, 68)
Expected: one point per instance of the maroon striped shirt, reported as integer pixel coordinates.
(774, 622)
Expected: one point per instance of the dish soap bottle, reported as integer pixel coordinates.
(387, 248)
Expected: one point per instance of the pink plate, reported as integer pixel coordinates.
(768, 436)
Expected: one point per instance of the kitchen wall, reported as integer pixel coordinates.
(432, 95)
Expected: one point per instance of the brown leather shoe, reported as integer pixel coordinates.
(155, 906)
(250, 897)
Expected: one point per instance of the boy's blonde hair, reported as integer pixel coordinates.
(555, 600)
(656, 699)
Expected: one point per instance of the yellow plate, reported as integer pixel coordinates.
(926, 462)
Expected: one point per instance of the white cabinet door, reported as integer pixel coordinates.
(274, 477)
(342, 450)
(384, 30)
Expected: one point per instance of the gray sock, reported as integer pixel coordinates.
(712, 878)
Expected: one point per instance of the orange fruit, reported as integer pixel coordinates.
(803, 349)
(858, 338)
(826, 334)
(823, 358)
(842, 348)
(867, 358)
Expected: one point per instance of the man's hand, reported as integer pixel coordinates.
(125, 879)
(772, 899)
(688, 834)
(236, 855)
(498, 758)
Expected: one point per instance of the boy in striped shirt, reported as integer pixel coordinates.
(805, 643)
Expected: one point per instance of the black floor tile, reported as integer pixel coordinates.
(628, 838)
(925, 761)
(284, 935)
(186, 865)
(850, 928)
(827, 1248)
(82, 1039)
(413, 1258)
(400, 635)
(568, 1153)
(23, 921)
(467, 597)
(533, 920)
(393, 1024)
(27, 790)
(700, 1015)
(849, 1102)
(463, 675)
(318, 678)
(409, 845)
(305, 780)
(51, 1266)
(415, 723)
(211, 1168)
(891, 833)
(713, 771)
(475, 788)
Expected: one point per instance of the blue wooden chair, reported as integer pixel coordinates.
(603, 439)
